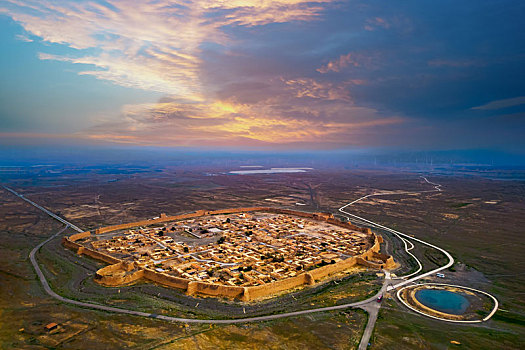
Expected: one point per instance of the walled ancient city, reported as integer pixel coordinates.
(121, 271)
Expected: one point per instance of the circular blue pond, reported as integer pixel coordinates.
(443, 300)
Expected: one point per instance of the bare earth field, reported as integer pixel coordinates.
(478, 220)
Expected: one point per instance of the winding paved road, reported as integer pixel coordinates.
(49, 291)
(405, 238)
(370, 304)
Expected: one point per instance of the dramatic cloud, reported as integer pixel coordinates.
(272, 73)
(304, 87)
(151, 45)
(302, 112)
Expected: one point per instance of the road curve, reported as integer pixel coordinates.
(437, 188)
(405, 241)
(49, 291)
(405, 238)
(362, 303)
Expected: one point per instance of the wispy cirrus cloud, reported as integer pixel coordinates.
(24, 38)
(500, 104)
(157, 46)
(307, 87)
(151, 45)
(155, 70)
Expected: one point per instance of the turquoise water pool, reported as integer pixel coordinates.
(443, 300)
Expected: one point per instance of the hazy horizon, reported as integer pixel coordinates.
(132, 156)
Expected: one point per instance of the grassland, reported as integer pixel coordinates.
(72, 276)
(477, 220)
(398, 329)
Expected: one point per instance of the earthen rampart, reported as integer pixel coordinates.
(164, 218)
(165, 279)
(216, 290)
(324, 271)
(98, 255)
(78, 236)
(121, 272)
(258, 292)
(118, 274)
(89, 252)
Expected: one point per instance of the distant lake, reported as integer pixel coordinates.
(443, 300)
(270, 171)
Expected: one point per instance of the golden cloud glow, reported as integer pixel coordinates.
(304, 87)
(158, 46)
(150, 45)
(284, 119)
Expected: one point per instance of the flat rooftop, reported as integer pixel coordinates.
(244, 249)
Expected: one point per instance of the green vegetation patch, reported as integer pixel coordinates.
(435, 257)
(509, 317)
(459, 205)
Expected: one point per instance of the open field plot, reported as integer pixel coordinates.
(334, 330)
(398, 329)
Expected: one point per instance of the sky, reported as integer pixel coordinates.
(264, 74)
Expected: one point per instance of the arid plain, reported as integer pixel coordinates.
(477, 219)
